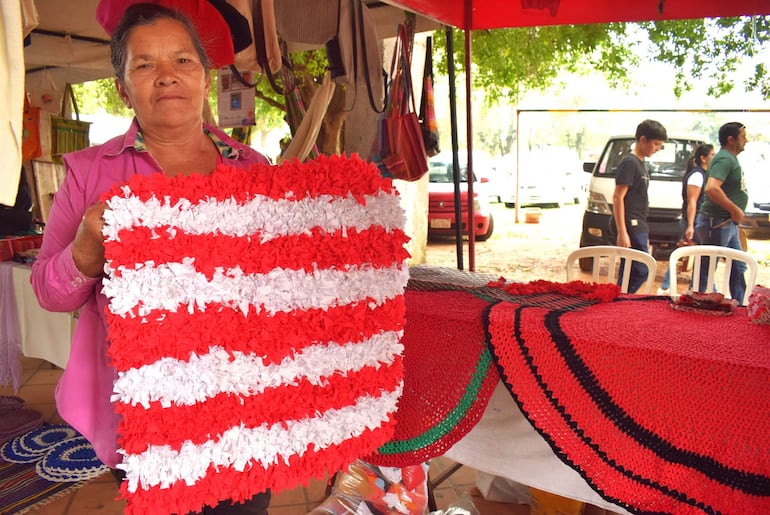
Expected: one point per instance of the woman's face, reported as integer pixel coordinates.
(706, 160)
(165, 83)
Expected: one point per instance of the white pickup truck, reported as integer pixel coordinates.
(666, 168)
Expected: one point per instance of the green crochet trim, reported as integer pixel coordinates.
(444, 427)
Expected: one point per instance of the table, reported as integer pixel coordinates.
(505, 444)
(656, 409)
(39, 333)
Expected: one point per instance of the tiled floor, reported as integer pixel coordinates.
(98, 496)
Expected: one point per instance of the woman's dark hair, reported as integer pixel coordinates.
(701, 152)
(147, 14)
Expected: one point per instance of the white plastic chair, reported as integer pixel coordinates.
(713, 253)
(613, 256)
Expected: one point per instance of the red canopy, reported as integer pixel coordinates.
(470, 15)
(495, 14)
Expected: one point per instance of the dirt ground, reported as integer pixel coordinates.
(528, 251)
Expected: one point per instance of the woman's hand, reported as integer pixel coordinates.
(88, 247)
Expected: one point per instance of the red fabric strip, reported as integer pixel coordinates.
(318, 250)
(271, 336)
(200, 422)
(228, 483)
(337, 176)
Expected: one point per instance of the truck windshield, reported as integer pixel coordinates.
(668, 164)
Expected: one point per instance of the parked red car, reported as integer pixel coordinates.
(441, 203)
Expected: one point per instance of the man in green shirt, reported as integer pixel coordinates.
(726, 198)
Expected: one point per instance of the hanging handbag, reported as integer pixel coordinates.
(399, 148)
(68, 135)
(264, 53)
(428, 123)
(30, 137)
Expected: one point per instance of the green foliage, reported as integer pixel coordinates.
(509, 62)
(711, 50)
(100, 96)
(312, 62)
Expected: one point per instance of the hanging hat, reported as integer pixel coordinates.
(240, 31)
(212, 28)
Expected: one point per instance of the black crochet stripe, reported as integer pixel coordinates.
(674, 494)
(747, 482)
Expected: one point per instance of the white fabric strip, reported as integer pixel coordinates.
(175, 382)
(262, 215)
(238, 446)
(136, 292)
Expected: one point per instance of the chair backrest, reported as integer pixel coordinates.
(612, 255)
(713, 253)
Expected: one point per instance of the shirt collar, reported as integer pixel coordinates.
(134, 138)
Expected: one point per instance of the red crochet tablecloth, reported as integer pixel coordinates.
(659, 410)
(449, 375)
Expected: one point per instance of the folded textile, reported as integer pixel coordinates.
(17, 421)
(8, 402)
(705, 301)
(759, 305)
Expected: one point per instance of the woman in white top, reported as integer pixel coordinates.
(692, 197)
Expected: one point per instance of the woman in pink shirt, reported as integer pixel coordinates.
(162, 74)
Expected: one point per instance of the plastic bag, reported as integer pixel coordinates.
(366, 488)
(462, 506)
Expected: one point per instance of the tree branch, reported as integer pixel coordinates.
(270, 101)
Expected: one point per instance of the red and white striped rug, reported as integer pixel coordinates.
(255, 319)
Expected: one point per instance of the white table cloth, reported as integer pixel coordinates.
(43, 334)
(503, 443)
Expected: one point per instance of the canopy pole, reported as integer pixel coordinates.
(469, 136)
(450, 60)
(518, 153)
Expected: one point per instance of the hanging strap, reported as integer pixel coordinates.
(361, 30)
(287, 72)
(392, 89)
(406, 60)
(427, 72)
(69, 93)
(401, 95)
